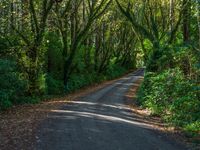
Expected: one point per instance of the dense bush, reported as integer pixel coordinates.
(80, 80)
(171, 95)
(115, 71)
(77, 81)
(12, 86)
(54, 86)
(83, 79)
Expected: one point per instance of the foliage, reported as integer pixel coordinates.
(115, 71)
(54, 86)
(193, 129)
(12, 84)
(78, 81)
(171, 95)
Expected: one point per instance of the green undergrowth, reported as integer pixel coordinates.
(174, 97)
(14, 86)
(78, 81)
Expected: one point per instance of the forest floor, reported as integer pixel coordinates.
(19, 126)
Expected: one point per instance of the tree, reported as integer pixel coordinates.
(32, 38)
(186, 20)
(78, 29)
(198, 17)
(153, 27)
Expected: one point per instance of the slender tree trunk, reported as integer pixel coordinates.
(198, 18)
(11, 16)
(33, 71)
(172, 16)
(68, 60)
(97, 48)
(186, 20)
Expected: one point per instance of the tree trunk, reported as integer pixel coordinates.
(33, 71)
(172, 16)
(12, 23)
(186, 20)
(198, 18)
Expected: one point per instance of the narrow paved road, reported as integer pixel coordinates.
(101, 121)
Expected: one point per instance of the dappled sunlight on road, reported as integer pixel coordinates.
(113, 119)
(118, 106)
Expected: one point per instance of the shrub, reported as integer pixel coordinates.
(171, 95)
(185, 107)
(12, 85)
(77, 81)
(4, 99)
(193, 129)
(114, 71)
(54, 86)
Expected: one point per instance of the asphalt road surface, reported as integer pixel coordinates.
(101, 120)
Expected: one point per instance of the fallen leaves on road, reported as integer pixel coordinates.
(19, 124)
